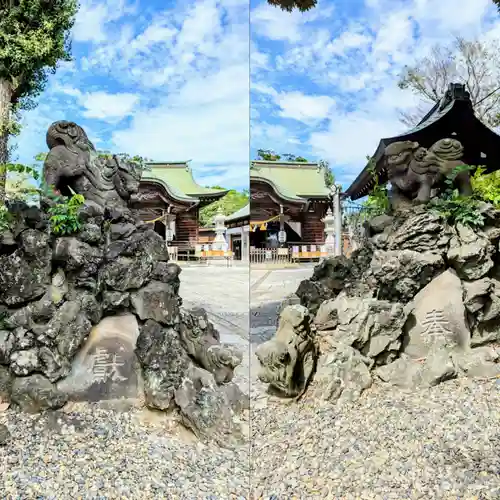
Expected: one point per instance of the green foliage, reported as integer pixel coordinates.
(233, 201)
(18, 168)
(291, 5)
(267, 155)
(459, 209)
(378, 202)
(64, 215)
(33, 39)
(41, 157)
(289, 157)
(486, 187)
(270, 155)
(327, 171)
(455, 208)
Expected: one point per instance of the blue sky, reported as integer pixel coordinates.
(166, 80)
(324, 83)
(171, 80)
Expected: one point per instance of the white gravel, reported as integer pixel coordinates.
(86, 451)
(98, 453)
(442, 443)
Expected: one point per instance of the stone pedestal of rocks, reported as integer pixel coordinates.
(90, 307)
(96, 316)
(416, 306)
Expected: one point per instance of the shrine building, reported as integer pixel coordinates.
(170, 199)
(293, 195)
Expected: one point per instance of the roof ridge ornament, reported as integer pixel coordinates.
(455, 92)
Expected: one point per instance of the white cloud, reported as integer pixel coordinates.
(207, 120)
(304, 108)
(158, 33)
(102, 105)
(106, 106)
(180, 74)
(233, 175)
(395, 34)
(348, 40)
(264, 89)
(277, 137)
(445, 15)
(93, 17)
(357, 64)
(200, 28)
(276, 24)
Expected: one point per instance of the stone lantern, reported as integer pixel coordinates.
(329, 222)
(282, 232)
(220, 242)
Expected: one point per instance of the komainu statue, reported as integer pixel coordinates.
(288, 360)
(202, 343)
(73, 163)
(417, 173)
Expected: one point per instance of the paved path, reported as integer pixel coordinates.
(267, 291)
(226, 293)
(223, 293)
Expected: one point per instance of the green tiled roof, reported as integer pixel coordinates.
(242, 213)
(291, 180)
(178, 180)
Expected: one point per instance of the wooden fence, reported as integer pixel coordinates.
(294, 253)
(197, 252)
(289, 254)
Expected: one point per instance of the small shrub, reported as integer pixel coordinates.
(486, 187)
(64, 217)
(455, 208)
(378, 202)
(459, 209)
(5, 219)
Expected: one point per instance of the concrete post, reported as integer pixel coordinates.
(337, 213)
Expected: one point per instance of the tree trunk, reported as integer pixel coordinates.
(5, 107)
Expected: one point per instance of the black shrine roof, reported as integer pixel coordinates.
(452, 117)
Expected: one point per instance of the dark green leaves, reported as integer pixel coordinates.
(291, 5)
(64, 216)
(378, 201)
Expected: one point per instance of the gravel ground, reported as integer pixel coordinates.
(86, 451)
(441, 443)
(98, 453)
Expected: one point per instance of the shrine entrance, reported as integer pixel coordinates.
(266, 235)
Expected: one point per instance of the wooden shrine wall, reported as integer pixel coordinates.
(186, 226)
(313, 228)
